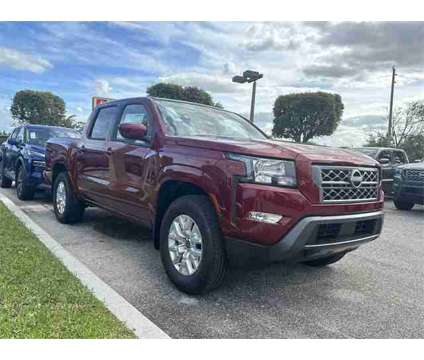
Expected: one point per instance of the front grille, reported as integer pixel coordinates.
(414, 175)
(346, 183)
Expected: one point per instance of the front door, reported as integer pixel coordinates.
(132, 164)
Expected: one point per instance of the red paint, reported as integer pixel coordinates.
(125, 177)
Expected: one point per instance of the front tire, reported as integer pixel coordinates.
(23, 190)
(325, 260)
(403, 205)
(191, 245)
(67, 208)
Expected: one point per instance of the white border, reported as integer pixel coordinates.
(142, 327)
(217, 10)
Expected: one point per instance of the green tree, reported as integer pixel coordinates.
(304, 116)
(187, 93)
(39, 107)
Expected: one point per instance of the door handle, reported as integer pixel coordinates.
(109, 151)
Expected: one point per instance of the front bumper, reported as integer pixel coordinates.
(312, 237)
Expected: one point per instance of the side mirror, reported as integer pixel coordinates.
(12, 142)
(384, 161)
(133, 131)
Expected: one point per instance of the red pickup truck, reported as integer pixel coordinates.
(214, 189)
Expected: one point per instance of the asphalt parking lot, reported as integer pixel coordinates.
(374, 292)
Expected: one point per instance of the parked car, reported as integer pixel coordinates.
(408, 186)
(214, 189)
(390, 159)
(22, 157)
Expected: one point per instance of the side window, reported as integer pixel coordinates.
(399, 158)
(20, 135)
(386, 154)
(135, 114)
(14, 133)
(103, 123)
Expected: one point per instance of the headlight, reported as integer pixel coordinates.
(267, 171)
(398, 172)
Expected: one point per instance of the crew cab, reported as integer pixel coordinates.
(22, 157)
(214, 189)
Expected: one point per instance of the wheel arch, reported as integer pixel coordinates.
(57, 169)
(175, 187)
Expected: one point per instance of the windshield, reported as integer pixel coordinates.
(39, 136)
(370, 152)
(184, 119)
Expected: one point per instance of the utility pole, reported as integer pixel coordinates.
(390, 129)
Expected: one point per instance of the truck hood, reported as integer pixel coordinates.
(414, 166)
(280, 149)
(37, 148)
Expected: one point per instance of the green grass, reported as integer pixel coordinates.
(40, 298)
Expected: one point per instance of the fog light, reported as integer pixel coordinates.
(264, 217)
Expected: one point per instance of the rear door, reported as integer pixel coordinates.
(92, 159)
(132, 164)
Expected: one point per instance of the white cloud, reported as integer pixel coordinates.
(102, 87)
(23, 61)
(215, 83)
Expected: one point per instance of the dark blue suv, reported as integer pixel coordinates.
(22, 157)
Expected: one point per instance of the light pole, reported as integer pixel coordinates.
(249, 76)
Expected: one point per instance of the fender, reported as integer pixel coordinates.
(189, 175)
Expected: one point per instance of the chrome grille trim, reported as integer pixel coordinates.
(335, 183)
(414, 175)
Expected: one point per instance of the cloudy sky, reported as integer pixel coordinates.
(79, 60)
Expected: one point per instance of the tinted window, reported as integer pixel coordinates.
(39, 136)
(14, 133)
(399, 157)
(103, 123)
(385, 154)
(20, 135)
(135, 114)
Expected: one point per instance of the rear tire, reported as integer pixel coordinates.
(4, 181)
(325, 260)
(67, 208)
(403, 205)
(201, 220)
(23, 190)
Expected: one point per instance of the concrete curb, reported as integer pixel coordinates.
(117, 305)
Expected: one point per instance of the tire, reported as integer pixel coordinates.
(23, 190)
(403, 205)
(4, 181)
(212, 265)
(67, 208)
(325, 260)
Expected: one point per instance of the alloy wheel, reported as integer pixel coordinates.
(61, 197)
(185, 245)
